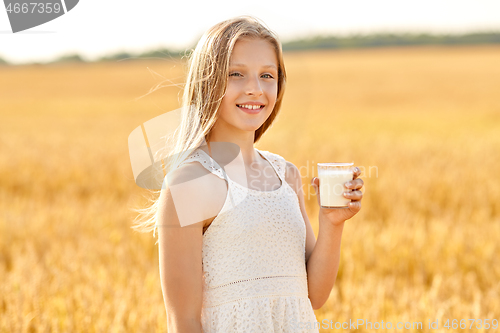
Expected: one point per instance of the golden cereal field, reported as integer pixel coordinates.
(423, 122)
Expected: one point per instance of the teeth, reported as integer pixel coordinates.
(251, 107)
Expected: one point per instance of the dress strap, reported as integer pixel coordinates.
(278, 162)
(209, 163)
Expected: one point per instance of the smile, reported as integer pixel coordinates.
(252, 109)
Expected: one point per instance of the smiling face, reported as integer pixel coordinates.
(252, 86)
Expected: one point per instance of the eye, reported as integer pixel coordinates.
(268, 76)
(235, 74)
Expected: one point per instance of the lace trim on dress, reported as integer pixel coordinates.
(256, 278)
(255, 288)
(209, 163)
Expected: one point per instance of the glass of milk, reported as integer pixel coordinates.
(332, 179)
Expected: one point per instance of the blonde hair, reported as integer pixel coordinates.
(203, 92)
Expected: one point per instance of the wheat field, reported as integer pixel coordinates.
(422, 122)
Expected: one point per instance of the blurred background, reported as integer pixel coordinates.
(408, 91)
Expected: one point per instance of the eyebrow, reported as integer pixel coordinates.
(243, 65)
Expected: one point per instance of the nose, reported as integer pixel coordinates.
(253, 87)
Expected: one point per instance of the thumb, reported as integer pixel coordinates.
(314, 183)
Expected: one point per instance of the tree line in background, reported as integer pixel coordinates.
(318, 42)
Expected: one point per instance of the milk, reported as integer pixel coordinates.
(331, 184)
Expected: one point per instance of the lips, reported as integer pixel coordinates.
(250, 108)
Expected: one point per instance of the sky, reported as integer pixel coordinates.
(96, 28)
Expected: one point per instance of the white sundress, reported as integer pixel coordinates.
(254, 272)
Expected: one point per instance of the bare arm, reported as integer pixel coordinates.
(323, 254)
(323, 265)
(180, 254)
(321, 269)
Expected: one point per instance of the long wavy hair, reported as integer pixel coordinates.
(203, 92)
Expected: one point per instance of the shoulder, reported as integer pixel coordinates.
(196, 193)
(291, 170)
(187, 171)
(194, 172)
(293, 177)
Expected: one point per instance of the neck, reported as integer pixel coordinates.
(244, 140)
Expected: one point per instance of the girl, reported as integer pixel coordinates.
(237, 251)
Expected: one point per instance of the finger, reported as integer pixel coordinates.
(355, 184)
(314, 183)
(356, 173)
(353, 195)
(355, 206)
